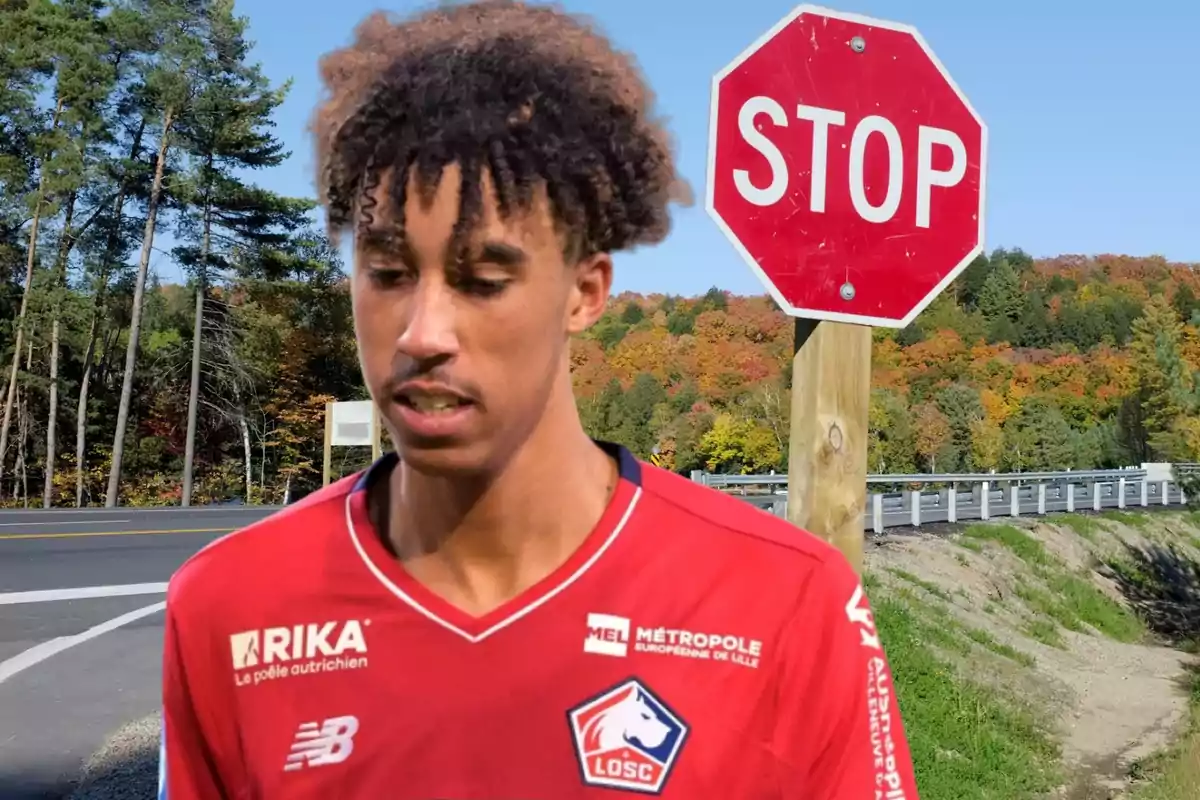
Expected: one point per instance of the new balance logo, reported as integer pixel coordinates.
(316, 745)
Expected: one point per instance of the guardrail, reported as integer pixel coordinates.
(917, 499)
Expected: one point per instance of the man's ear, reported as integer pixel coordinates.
(589, 292)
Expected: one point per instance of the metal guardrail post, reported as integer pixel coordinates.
(894, 502)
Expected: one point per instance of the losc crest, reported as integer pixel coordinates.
(627, 738)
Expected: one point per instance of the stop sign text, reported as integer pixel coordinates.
(821, 119)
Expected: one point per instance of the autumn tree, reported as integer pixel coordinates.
(891, 442)
(932, 433)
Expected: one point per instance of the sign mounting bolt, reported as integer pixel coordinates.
(847, 291)
(858, 44)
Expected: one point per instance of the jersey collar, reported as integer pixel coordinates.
(394, 578)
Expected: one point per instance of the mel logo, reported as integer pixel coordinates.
(607, 635)
(627, 738)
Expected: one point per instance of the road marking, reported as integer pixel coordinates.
(80, 593)
(40, 652)
(14, 536)
(72, 522)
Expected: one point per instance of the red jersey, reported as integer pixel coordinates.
(693, 647)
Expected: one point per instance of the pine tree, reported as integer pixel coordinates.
(1164, 384)
(170, 77)
(227, 130)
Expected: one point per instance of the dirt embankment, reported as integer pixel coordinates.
(1054, 617)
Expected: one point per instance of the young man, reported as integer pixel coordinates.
(506, 609)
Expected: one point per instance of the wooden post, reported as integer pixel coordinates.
(327, 470)
(827, 459)
(376, 434)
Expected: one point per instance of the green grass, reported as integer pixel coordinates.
(1139, 521)
(982, 637)
(1084, 600)
(1075, 603)
(1046, 632)
(968, 742)
(1022, 545)
(1071, 600)
(969, 544)
(1085, 526)
(932, 588)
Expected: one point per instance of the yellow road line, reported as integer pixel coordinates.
(8, 536)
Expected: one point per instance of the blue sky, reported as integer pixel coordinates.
(1093, 111)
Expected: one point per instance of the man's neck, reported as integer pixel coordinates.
(480, 544)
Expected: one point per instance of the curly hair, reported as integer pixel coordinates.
(528, 93)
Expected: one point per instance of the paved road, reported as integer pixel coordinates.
(74, 668)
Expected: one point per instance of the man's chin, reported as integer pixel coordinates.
(446, 459)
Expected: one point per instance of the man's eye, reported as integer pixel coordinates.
(483, 287)
(387, 278)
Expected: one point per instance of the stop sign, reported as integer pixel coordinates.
(846, 167)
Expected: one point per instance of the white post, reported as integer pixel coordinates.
(1042, 499)
(1014, 500)
(915, 510)
(1095, 496)
(1166, 493)
(984, 492)
(1070, 497)
(1121, 493)
(1145, 492)
(877, 513)
(953, 505)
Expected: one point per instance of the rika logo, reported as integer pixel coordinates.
(298, 650)
(627, 738)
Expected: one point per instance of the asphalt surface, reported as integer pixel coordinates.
(74, 669)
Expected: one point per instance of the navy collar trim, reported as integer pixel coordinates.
(629, 468)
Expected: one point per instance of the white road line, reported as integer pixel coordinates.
(39, 653)
(104, 520)
(80, 593)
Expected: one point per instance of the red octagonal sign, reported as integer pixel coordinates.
(847, 168)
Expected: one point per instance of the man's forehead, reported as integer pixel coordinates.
(435, 211)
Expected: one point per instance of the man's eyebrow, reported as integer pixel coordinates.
(501, 254)
(383, 242)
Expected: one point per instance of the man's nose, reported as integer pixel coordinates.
(430, 332)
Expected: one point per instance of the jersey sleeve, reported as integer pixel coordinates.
(840, 732)
(188, 762)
